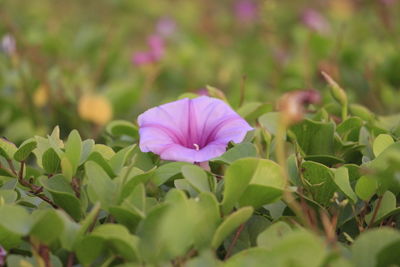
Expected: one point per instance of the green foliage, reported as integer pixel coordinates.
(333, 201)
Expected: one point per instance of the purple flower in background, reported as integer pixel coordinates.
(314, 20)
(8, 44)
(203, 91)
(191, 130)
(246, 10)
(156, 51)
(166, 27)
(157, 46)
(142, 58)
(3, 254)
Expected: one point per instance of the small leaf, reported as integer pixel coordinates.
(368, 245)
(252, 181)
(273, 234)
(73, 150)
(25, 149)
(366, 187)
(51, 161)
(381, 142)
(386, 207)
(100, 186)
(62, 194)
(121, 127)
(47, 225)
(67, 168)
(7, 149)
(197, 177)
(15, 219)
(342, 181)
(229, 224)
(167, 171)
(319, 180)
(8, 196)
(242, 150)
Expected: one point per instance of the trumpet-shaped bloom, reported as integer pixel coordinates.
(191, 130)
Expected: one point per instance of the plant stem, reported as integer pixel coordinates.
(378, 205)
(234, 241)
(281, 159)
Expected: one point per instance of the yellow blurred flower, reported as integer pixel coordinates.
(41, 96)
(342, 9)
(95, 108)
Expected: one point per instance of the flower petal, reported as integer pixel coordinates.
(192, 130)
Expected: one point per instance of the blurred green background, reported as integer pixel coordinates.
(79, 64)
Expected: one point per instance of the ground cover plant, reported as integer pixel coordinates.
(199, 133)
(310, 184)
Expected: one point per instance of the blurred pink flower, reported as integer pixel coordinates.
(203, 91)
(155, 53)
(142, 58)
(166, 26)
(314, 20)
(157, 46)
(246, 10)
(3, 255)
(8, 44)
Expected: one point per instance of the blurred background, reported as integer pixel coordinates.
(80, 64)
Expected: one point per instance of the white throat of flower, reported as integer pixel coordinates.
(197, 147)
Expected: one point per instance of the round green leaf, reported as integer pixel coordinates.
(381, 142)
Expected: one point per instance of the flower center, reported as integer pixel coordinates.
(197, 147)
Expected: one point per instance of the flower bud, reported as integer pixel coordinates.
(292, 104)
(336, 91)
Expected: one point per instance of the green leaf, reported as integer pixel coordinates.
(99, 185)
(25, 149)
(252, 181)
(229, 224)
(73, 150)
(89, 249)
(67, 168)
(121, 127)
(368, 245)
(239, 151)
(62, 194)
(8, 196)
(252, 110)
(119, 159)
(386, 207)
(87, 148)
(167, 171)
(47, 225)
(7, 149)
(51, 161)
(388, 256)
(319, 181)
(206, 206)
(342, 181)
(15, 219)
(273, 234)
(270, 121)
(197, 178)
(315, 138)
(102, 162)
(366, 187)
(296, 248)
(119, 240)
(381, 142)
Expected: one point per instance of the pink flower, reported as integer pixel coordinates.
(191, 130)
(155, 53)
(166, 27)
(246, 10)
(314, 20)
